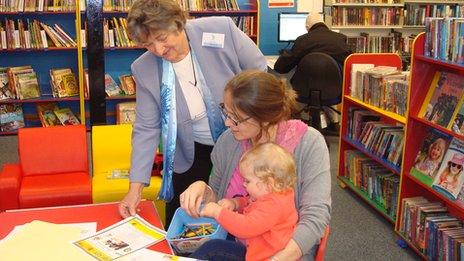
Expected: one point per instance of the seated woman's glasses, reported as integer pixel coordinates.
(226, 115)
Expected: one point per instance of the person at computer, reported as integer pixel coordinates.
(318, 39)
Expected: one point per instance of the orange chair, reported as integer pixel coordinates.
(53, 169)
(321, 249)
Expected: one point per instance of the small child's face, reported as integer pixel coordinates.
(435, 152)
(253, 185)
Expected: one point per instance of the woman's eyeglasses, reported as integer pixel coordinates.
(226, 115)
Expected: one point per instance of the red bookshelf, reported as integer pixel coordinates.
(346, 143)
(422, 70)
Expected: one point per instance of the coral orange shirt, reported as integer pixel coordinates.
(266, 224)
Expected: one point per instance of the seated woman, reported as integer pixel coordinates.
(257, 109)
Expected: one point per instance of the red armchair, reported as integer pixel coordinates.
(53, 169)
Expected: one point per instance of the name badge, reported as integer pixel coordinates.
(213, 40)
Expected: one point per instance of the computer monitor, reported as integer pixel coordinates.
(291, 25)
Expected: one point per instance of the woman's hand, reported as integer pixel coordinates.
(228, 203)
(128, 205)
(192, 197)
(291, 252)
(211, 210)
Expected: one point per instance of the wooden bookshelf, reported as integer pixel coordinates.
(42, 60)
(348, 144)
(417, 129)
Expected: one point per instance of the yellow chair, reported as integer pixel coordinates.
(111, 150)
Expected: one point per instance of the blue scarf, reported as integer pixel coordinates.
(169, 122)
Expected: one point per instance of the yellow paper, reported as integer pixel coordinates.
(40, 240)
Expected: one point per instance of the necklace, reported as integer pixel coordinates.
(193, 69)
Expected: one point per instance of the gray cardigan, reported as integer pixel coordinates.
(218, 66)
(312, 191)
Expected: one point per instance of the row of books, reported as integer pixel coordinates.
(12, 117)
(429, 226)
(40, 5)
(443, 104)
(21, 83)
(379, 138)
(33, 34)
(117, 5)
(367, 16)
(207, 5)
(440, 162)
(384, 87)
(127, 85)
(444, 39)
(380, 184)
(115, 33)
(415, 14)
(392, 43)
(245, 23)
(51, 115)
(368, 1)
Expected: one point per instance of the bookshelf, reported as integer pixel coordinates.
(42, 57)
(402, 20)
(423, 69)
(116, 60)
(354, 150)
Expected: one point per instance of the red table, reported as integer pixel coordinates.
(105, 214)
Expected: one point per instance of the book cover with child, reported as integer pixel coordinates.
(450, 178)
(430, 155)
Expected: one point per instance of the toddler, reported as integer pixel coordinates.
(264, 220)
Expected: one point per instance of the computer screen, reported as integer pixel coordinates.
(291, 25)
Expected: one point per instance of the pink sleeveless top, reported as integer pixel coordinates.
(289, 134)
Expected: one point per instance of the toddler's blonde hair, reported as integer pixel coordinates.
(269, 160)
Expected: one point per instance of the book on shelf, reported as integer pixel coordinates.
(356, 78)
(111, 87)
(63, 82)
(12, 79)
(430, 155)
(450, 178)
(66, 116)
(125, 113)
(27, 85)
(33, 34)
(444, 38)
(11, 117)
(457, 122)
(47, 115)
(5, 92)
(127, 84)
(445, 91)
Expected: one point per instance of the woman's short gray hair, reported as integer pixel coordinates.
(147, 16)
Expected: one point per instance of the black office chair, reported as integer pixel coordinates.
(318, 82)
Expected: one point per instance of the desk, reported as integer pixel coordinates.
(105, 214)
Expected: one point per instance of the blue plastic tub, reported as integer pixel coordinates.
(189, 245)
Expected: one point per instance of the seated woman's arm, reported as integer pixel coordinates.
(314, 199)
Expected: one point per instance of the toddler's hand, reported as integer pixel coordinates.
(227, 204)
(211, 210)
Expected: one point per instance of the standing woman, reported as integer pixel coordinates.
(180, 81)
(257, 108)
